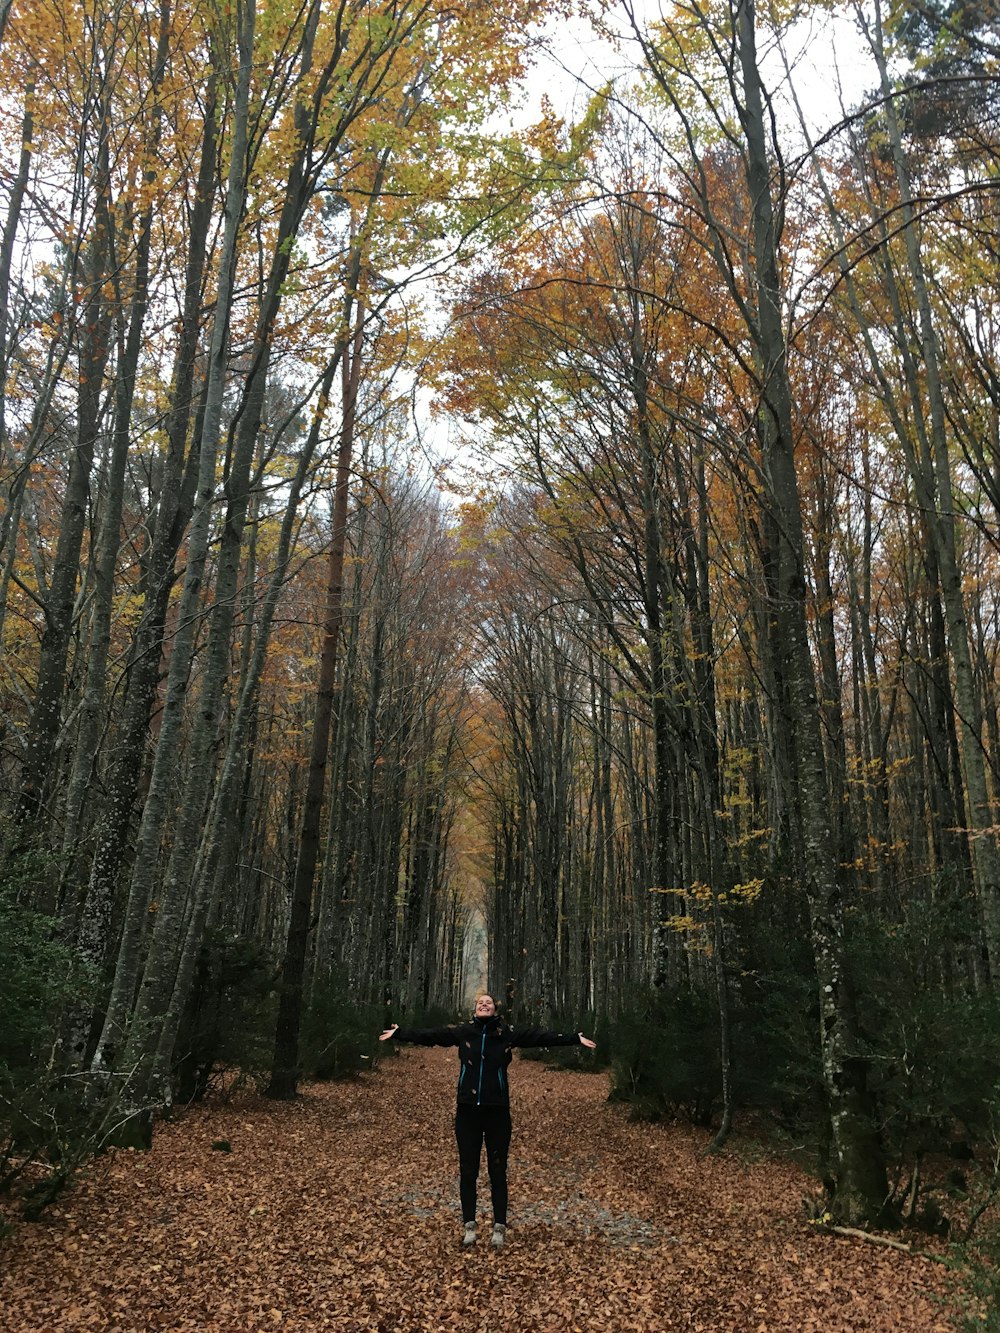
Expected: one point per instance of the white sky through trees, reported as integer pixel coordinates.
(823, 50)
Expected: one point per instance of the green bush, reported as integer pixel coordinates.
(40, 975)
(48, 1129)
(976, 1258)
(665, 1056)
(933, 1045)
(977, 1265)
(930, 1039)
(229, 1018)
(339, 1035)
(776, 1063)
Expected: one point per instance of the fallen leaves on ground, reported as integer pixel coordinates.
(340, 1211)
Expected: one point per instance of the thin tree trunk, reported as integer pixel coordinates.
(983, 822)
(284, 1069)
(205, 879)
(173, 512)
(861, 1190)
(14, 203)
(163, 780)
(91, 708)
(60, 600)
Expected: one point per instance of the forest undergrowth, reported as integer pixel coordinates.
(339, 1211)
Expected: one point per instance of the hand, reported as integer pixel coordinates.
(384, 1036)
(585, 1041)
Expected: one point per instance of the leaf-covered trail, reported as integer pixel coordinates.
(339, 1211)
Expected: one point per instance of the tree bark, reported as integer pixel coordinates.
(92, 703)
(284, 1069)
(164, 775)
(860, 1186)
(43, 729)
(942, 528)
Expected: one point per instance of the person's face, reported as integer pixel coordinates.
(485, 1008)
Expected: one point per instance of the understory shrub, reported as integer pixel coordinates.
(976, 1255)
(929, 1035)
(665, 1056)
(339, 1035)
(933, 1040)
(50, 1123)
(228, 1022)
(665, 1045)
(774, 1015)
(979, 1284)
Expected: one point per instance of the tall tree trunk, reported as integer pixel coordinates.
(166, 945)
(91, 706)
(172, 514)
(43, 728)
(942, 527)
(284, 1069)
(224, 799)
(929, 468)
(860, 1186)
(164, 775)
(14, 203)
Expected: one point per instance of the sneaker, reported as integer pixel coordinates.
(469, 1235)
(499, 1232)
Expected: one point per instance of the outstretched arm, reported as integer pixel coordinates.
(540, 1037)
(421, 1036)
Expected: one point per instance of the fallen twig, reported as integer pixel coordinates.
(857, 1234)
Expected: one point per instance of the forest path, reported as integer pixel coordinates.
(339, 1211)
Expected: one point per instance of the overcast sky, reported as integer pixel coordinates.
(825, 51)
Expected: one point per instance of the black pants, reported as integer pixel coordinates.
(473, 1125)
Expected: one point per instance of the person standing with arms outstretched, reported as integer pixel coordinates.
(483, 1111)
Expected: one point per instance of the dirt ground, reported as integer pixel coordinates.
(340, 1211)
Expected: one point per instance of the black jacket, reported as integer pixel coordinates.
(484, 1050)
